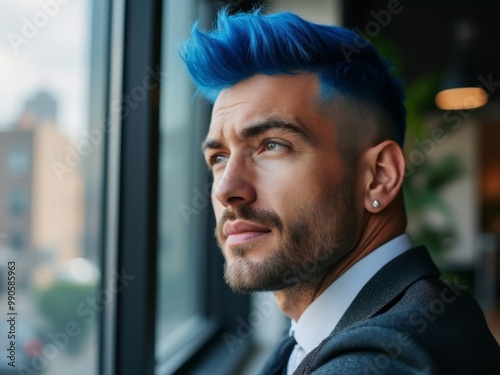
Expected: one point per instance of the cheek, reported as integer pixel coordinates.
(217, 207)
(287, 192)
(304, 183)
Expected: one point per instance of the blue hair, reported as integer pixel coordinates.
(246, 44)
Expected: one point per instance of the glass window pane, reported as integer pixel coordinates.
(184, 195)
(50, 186)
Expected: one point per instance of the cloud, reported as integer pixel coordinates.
(55, 59)
(19, 78)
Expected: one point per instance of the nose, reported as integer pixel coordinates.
(235, 187)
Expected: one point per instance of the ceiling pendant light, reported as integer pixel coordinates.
(460, 90)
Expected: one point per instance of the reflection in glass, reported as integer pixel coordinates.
(183, 196)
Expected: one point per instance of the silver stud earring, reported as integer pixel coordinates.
(376, 203)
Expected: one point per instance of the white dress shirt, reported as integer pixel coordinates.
(320, 318)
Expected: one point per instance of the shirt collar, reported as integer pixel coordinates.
(320, 318)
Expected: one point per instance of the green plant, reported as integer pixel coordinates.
(59, 303)
(430, 219)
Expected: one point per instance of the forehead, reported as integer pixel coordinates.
(291, 97)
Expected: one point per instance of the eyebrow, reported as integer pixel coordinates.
(259, 128)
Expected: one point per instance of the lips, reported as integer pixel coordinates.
(242, 232)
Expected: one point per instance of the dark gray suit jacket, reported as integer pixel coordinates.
(405, 320)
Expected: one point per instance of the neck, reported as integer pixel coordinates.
(378, 230)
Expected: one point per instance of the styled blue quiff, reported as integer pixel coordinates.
(354, 80)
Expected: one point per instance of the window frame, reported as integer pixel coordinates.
(137, 226)
(131, 217)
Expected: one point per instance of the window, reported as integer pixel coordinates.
(18, 161)
(178, 306)
(51, 159)
(18, 202)
(107, 194)
(183, 202)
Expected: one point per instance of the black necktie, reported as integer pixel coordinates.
(278, 360)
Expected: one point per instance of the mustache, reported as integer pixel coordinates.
(262, 217)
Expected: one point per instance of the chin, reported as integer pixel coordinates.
(256, 253)
(244, 275)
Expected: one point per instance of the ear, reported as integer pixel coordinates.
(383, 168)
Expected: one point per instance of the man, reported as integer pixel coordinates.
(305, 148)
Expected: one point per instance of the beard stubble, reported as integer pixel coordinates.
(323, 232)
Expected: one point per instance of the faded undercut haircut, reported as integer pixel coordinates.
(357, 90)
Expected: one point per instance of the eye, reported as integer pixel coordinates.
(217, 159)
(273, 146)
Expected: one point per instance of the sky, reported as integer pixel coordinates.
(55, 58)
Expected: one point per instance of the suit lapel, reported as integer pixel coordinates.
(380, 292)
(387, 284)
